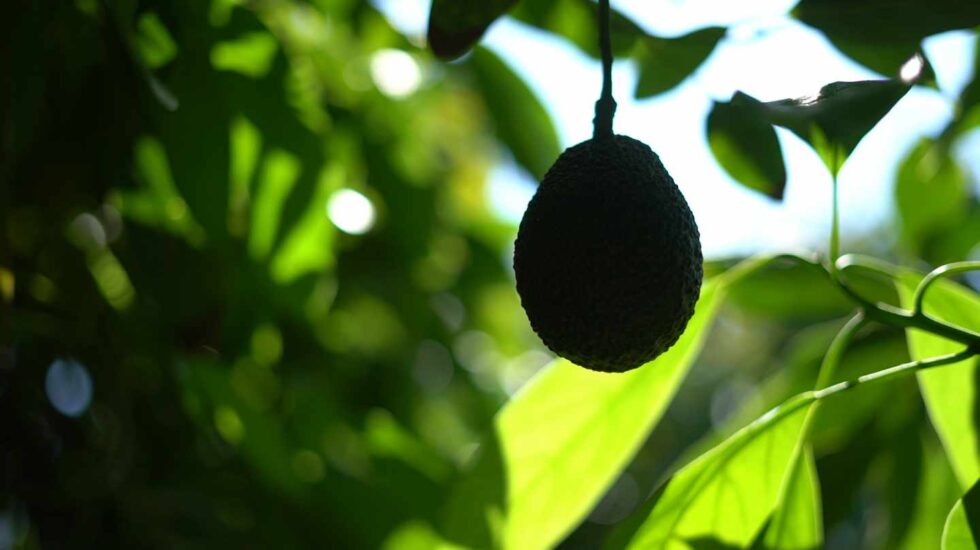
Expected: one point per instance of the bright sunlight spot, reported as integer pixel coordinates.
(351, 212)
(911, 69)
(395, 73)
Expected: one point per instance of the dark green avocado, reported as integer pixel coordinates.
(608, 257)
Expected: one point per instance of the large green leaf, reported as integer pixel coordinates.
(744, 143)
(725, 496)
(881, 34)
(962, 530)
(950, 393)
(797, 523)
(521, 120)
(562, 440)
(666, 62)
(456, 25)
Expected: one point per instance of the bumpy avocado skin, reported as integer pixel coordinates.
(608, 256)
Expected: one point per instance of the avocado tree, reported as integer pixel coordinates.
(253, 291)
(604, 265)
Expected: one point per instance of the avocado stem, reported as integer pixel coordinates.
(605, 108)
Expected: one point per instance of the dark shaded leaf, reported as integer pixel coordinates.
(882, 34)
(666, 62)
(883, 57)
(839, 117)
(833, 122)
(456, 25)
(522, 122)
(745, 144)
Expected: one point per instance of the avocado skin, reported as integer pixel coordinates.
(608, 256)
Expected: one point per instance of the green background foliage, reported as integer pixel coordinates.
(255, 372)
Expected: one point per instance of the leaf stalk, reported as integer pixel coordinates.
(605, 108)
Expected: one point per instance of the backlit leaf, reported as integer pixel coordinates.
(279, 174)
(950, 393)
(797, 523)
(962, 530)
(153, 41)
(833, 122)
(562, 441)
(251, 54)
(727, 494)
(744, 143)
(839, 117)
(666, 62)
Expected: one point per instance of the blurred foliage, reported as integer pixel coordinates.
(252, 293)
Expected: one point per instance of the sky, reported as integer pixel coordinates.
(765, 54)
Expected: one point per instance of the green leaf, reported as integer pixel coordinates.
(833, 123)
(456, 25)
(280, 172)
(881, 34)
(561, 442)
(153, 41)
(962, 530)
(950, 393)
(522, 122)
(937, 491)
(666, 62)
(250, 54)
(152, 44)
(839, 117)
(417, 535)
(727, 494)
(577, 21)
(309, 245)
(930, 193)
(790, 291)
(797, 523)
(744, 143)
(158, 202)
